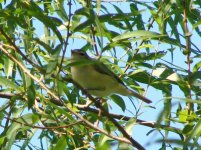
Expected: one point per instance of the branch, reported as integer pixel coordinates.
(187, 50)
(107, 114)
(57, 99)
(150, 124)
(67, 36)
(14, 47)
(40, 127)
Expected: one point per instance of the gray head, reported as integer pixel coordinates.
(79, 54)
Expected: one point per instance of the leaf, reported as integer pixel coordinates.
(129, 126)
(110, 18)
(119, 101)
(59, 5)
(140, 33)
(196, 24)
(183, 115)
(63, 111)
(8, 66)
(43, 44)
(196, 132)
(61, 144)
(18, 126)
(166, 73)
(100, 31)
(52, 64)
(197, 66)
(60, 86)
(188, 128)
(31, 95)
(35, 11)
(7, 83)
(141, 76)
(150, 56)
(139, 18)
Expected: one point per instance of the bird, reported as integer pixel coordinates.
(95, 77)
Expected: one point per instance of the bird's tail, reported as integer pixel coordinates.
(133, 93)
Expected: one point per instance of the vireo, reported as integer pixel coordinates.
(96, 78)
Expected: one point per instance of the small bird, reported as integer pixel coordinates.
(96, 78)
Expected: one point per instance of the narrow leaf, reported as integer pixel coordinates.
(7, 83)
(119, 101)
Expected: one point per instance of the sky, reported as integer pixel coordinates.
(148, 114)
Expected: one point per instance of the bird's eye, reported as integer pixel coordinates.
(82, 54)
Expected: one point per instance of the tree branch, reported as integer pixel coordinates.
(150, 124)
(57, 99)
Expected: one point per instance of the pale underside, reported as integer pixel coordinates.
(96, 83)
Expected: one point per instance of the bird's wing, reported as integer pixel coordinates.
(102, 68)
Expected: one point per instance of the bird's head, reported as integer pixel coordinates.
(78, 54)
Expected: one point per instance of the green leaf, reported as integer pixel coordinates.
(100, 31)
(149, 56)
(60, 86)
(103, 139)
(188, 128)
(197, 66)
(196, 24)
(63, 111)
(61, 144)
(119, 101)
(129, 126)
(8, 66)
(60, 7)
(35, 11)
(7, 83)
(52, 64)
(196, 132)
(140, 33)
(183, 115)
(31, 95)
(19, 126)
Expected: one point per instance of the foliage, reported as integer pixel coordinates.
(153, 46)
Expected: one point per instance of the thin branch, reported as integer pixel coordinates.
(67, 36)
(107, 114)
(94, 39)
(14, 47)
(141, 43)
(7, 95)
(150, 124)
(40, 127)
(28, 73)
(188, 49)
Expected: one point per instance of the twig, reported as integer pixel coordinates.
(40, 127)
(67, 36)
(151, 124)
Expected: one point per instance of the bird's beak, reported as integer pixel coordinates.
(74, 51)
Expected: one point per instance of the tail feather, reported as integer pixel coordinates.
(123, 90)
(133, 93)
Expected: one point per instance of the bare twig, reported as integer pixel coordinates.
(68, 34)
